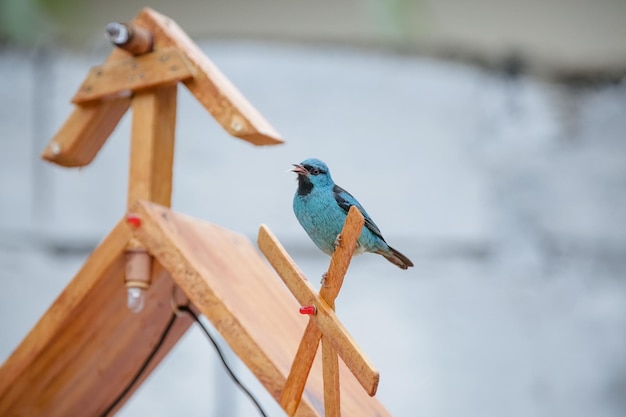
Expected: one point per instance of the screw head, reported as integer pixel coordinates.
(236, 124)
(55, 148)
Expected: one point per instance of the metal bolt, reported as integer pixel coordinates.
(117, 33)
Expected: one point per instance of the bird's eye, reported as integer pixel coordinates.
(315, 171)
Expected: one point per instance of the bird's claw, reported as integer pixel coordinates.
(338, 241)
(323, 281)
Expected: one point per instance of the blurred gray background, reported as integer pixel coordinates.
(485, 138)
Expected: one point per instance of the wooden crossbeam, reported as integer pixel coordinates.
(324, 323)
(159, 68)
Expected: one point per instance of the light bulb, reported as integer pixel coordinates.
(135, 299)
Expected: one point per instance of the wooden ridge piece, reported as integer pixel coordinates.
(228, 281)
(162, 67)
(209, 85)
(88, 346)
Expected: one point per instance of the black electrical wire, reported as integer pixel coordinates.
(184, 309)
(143, 366)
(234, 377)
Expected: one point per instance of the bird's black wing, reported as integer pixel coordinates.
(345, 200)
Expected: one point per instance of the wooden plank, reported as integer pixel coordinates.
(84, 132)
(152, 145)
(340, 261)
(209, 85)
(87, 128)
(294, 384)
(325, 320)
(228, 281)
(286, 268)
(88, 346)
(163, 67)
(332, 388)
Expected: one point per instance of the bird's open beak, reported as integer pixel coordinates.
(299, 169)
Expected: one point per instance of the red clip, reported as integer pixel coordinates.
(310, 310)
(133, 220)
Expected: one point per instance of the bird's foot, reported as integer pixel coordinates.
(338, 241)
(323, 281)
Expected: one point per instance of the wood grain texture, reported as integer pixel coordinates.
(332, 387)
(152, 146)
(228, 281)
(88, 346)
(84, 132)
(86, 129)
(163, 67)
(340, 261)
(324, 322)
(209, 85)
(295, 383)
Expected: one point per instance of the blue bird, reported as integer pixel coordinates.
(321, 207)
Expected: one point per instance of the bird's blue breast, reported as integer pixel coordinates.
(323, 219)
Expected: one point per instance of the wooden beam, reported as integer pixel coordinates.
(340, 261)
(163, 67)
(152, 146)
(84, 132)
(88, 346)
(209, 85)
(330, 372)
(87, 128)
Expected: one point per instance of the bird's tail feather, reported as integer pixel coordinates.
(397, 258)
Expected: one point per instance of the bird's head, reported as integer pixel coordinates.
(312, 173)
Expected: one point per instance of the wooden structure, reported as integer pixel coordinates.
(88, 346)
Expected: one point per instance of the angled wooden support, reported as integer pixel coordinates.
(84, 132)
(324, 324)
(163, 67)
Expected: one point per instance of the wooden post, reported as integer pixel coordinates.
(152, 146)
